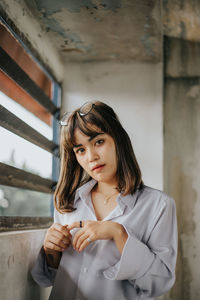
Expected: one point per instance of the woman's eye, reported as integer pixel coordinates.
(80, 150)
(99, 142)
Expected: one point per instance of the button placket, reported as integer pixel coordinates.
(85, 270)
(82, 274)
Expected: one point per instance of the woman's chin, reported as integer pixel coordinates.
(103, 178)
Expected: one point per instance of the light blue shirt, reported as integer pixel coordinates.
(146, 267)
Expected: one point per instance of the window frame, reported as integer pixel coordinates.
(15, 177)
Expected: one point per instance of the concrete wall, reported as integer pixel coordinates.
(181, 158)
(134, 90)
(18, 252)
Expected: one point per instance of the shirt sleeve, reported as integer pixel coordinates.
(150, 266)
(41, 273)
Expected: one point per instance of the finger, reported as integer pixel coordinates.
(75, 225)
(58, 236)
(51, 246)
(58, 242)
(61, 228)
(62, 235)
(77, 236)
(80, 240)
(84, 244)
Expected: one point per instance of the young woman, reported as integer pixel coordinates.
(113, 238)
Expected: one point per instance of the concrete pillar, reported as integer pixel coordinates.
(181, 158)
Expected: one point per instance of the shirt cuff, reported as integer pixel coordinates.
(41, 273)
(135, 260)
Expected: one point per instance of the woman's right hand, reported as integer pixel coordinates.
(58, 238)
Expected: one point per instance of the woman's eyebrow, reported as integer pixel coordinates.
(94, 135)
(90, 139)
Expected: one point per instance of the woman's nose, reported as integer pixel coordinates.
(92, 155)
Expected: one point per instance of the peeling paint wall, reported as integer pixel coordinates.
(181, 159)
(102, 30)
(181, 19)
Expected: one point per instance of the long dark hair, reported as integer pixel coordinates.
(72, 175)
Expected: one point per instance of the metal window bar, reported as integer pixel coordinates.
(15, 177)
(12, 123)
(55, 160)
(11, 68)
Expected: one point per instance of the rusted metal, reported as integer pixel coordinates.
(11, 68)
(15, 177)
(18, 94)
(15, 50)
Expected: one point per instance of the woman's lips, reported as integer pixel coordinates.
(98, 168)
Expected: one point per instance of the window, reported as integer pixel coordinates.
(29, 110)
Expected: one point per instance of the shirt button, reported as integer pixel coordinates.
(85, 270)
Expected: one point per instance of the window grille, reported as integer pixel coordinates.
(26, 81)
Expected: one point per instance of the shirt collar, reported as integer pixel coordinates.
(130, 200)
(84, 191)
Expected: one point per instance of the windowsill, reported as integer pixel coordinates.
(5, 233)
(24, 223)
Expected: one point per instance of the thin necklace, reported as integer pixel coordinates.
(106, 200)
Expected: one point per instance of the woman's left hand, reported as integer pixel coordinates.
(92, 231)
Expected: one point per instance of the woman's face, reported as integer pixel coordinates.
(97, 155)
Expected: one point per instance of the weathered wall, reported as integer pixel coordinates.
(181, 19)
(181, 158)
(18, 252)
(134, 90)
(96, 30)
